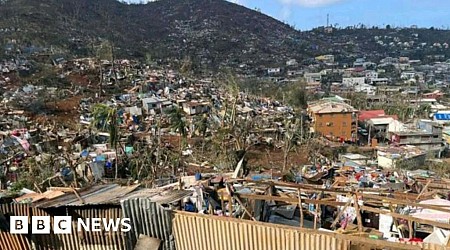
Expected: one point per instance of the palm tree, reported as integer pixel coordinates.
(105, 119)
(178, 123)
(202, 125)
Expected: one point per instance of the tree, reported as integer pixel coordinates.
(202, 125)
(178, 123)
(299, 95)
(105, 118)
(293, 132)
(104, 51)
(186, 67)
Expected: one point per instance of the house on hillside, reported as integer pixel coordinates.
(376, 123)
(313, 77)
(428, 137)
(336, 120)
(353, 81)
(437, 94)
(366, 88)
(195, 108)
(274, 71)
(379, 81)
(398, 157)
(154, 104)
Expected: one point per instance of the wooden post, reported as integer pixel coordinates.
(336, 220)
(423, 190)
(245, 209)
(358, 213)
(395, 219)
(410, 228)
(230, 201)
(301, 207)
(222, 203)
(316, 217)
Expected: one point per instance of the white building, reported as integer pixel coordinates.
(313, 77)
(291, 62)
(380, 81)
(273, 71)
(371, 74)
(396, 157)
(365, 88)
(353, 81)
(408, 75)
(195, 108)
(154, 104)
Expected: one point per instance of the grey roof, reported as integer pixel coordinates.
(161, 197)
(94, 195)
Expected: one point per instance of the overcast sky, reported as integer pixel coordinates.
(307, 14)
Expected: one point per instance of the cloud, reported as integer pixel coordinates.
(310, 3)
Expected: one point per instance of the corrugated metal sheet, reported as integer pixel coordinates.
(199, 232)
(74, 241)
(95, 195)
(161, 197)
(204, 232)
(148, 218)
(14, 241)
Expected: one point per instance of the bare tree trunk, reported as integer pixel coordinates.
(101, 79)
(116, 163)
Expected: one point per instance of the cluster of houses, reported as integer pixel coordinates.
(142, 100)
(340, 122)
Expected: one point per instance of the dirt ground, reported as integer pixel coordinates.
(64, 113)
(273, 158)
(259, 157)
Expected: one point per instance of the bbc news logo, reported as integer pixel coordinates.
(63, 225)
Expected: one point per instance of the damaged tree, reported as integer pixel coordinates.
(105, 118)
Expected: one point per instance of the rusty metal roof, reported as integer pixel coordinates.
(35, 197)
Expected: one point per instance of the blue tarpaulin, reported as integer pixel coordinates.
(442, 117)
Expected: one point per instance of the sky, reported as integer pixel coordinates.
(308, 14)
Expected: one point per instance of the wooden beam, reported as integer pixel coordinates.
(300, 207)
(410, 229)
(395, 220)
(423, 190)
(78, 195)
(405, 202)
(245, 209)
(358, 213)
(406, 217)
(336, 220)
(222, 203)
(290, 200)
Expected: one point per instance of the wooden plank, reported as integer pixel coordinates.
(300, 207)
(336, 220)
(406, 217)
(358, 213)
(411, 203)
(245, 209)
(423, 190)
(290, 200)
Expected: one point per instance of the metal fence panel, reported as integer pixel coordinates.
(150, 219)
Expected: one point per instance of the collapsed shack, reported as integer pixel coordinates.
(148, 210)
(350, 216)
(377, 213)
